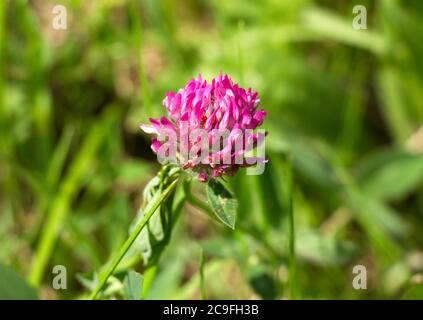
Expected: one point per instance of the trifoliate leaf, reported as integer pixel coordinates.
(222, 202)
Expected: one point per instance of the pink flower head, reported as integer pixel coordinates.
(211, 108)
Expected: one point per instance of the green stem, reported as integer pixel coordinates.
(196, 202)
(240, 52)
(152, 207)
(291, 232)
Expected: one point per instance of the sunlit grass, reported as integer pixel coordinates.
(342, 103)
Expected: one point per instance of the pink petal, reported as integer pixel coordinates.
(202, 176)
(148, 128)
(155, 145)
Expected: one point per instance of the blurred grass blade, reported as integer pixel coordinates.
(137, 41)
(59, 157)
(3, 5)
(327, 25)
(80, 168)
(394, 107)
(390, 174)
(293, 282)
(202, 277)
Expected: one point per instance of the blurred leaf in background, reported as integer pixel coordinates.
(346, 104)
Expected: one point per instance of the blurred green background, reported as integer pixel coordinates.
(346, 104)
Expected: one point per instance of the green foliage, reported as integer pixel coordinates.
(155, 237)
(222, 202)
(345, 104)
(390, 174)
(414, 292)
(13, 286)
(132, 286)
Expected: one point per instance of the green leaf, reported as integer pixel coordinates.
(390, 174)
(153, 239)
(13, 286)
(222, 202)
(262, 281)
(414, 292)
(324, 250)
(132, 286)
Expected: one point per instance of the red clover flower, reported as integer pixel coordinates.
(213, 124)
